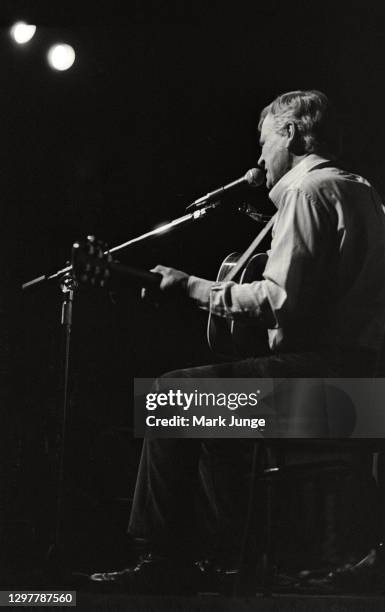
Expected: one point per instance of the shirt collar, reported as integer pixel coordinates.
(303, 167)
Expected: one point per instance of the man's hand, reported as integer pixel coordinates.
(172, 279)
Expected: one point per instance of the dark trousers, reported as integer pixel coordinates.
(191, 495)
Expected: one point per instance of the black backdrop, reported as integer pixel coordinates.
(158, 109)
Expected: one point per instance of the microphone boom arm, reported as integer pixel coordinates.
(254, 177)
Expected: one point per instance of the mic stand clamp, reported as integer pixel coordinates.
(67, 285)
(252, 212)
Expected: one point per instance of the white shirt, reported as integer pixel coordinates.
(324, 281)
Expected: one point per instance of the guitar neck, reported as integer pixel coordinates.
(122, 272)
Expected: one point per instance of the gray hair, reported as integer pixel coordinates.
(314, 118)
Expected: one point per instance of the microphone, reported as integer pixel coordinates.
(254, 177)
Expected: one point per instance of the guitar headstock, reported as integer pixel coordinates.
(91, 262)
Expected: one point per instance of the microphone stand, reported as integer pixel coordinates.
(67, 287)
(67, 282)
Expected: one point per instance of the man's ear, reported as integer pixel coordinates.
(291, 129)
(293, 138)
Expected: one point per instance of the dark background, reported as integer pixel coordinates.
(159, 108)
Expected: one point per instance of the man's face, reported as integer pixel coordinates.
(275, 157)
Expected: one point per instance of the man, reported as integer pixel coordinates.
(321, 300)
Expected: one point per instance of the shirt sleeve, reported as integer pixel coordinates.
(292, 276)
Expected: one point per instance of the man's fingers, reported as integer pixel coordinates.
(159, 269)
(171, 278)
(165, 273)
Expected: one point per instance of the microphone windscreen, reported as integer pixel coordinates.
(255, 177)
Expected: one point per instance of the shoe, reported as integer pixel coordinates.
(365, 576)
(216, 577)
(153, 575)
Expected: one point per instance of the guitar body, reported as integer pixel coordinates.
(233, 339)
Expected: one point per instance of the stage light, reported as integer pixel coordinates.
(61, 57)
(22, 32)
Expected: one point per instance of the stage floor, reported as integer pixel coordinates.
(210, 603)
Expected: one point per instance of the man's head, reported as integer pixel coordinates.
(294, 125)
